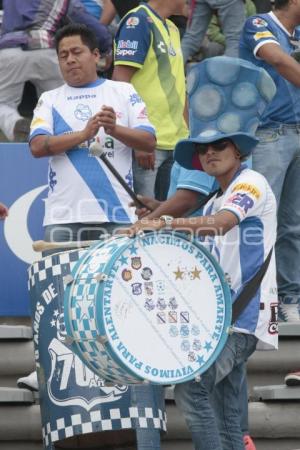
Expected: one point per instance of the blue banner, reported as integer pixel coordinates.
(23, 186)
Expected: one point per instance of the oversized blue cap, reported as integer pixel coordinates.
(227, 97)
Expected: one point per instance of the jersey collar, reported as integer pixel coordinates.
(277, 21)
(95, 83)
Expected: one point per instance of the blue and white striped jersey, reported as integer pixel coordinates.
(81, 188)
(242, 250)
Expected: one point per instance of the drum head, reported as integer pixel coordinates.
(160, 313)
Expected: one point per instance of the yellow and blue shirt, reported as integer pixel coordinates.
(152, 45)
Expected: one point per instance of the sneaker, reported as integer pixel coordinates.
(288, 312)
(293, 378)
(249, 444)
(30, 382)
(22, 130)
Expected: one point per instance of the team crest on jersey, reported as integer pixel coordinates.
(132, 22)
(259, 22)
(83, 112)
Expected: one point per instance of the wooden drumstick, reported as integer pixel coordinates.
(41, 246)
(96, 149)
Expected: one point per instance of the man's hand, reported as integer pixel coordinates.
(92, 127)
(3, 211)
(142, 225)
(145, 160)
(107, 119)
(150, 203)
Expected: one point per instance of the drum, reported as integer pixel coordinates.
(76, 406)
(151, 309)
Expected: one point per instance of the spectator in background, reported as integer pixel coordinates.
(104, 11)
(180, 19)
(148, 55)
(27, 53)
(269, 40)
(214, 42)
(231, 14)
(3, 211)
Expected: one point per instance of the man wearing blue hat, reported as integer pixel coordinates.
(227, 98)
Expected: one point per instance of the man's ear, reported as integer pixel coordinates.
(96, 53)
(237, 153)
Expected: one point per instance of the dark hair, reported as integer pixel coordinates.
(280, 4)
(77, 29)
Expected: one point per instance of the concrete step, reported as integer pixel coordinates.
(273, 425)
(289, 329)
(15, 332)
(276, 392)
(261, 444)
(268, 420)
(15, 395)
(20, 423)
(16, 360)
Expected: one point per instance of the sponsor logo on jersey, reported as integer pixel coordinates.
(125, 52)
(243, 201)
(162, 47)
(143, 114)
(134, 99)
(128, 44)
(253, 190)
(263, 35)
(37, 122)
(273, 323)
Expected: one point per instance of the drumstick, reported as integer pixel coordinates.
(96, 149)
(41, 246)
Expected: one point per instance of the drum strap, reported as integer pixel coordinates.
(250, 289)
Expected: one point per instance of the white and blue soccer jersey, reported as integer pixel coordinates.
(81, 188)
(242, 251)
(258, 31)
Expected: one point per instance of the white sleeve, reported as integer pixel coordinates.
(42, 122)
(137, 111)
